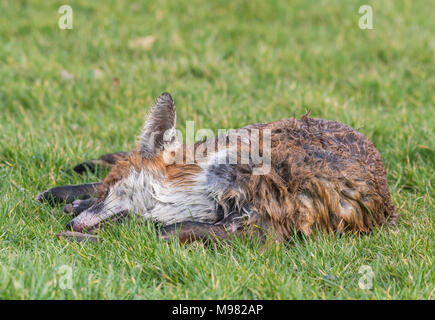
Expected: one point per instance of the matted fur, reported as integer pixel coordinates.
(323, 175)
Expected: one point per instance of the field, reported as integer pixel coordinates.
(71, 95)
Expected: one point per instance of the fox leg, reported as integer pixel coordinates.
(105, 161)
(69, 193)
(190, 231)
(78, 206)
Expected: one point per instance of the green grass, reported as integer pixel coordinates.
(227, 64)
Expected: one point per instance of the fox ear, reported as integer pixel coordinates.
(159, 132)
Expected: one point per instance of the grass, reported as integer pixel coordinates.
(71, 95)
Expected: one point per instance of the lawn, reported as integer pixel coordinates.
(71, 95)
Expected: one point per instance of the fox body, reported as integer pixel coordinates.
(320, 175)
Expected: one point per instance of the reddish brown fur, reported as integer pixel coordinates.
(320, 169)
(176, 174)
(324, 176)
(123, 168)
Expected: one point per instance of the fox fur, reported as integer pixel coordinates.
(323, 175)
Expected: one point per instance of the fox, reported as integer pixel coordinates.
(322, 176)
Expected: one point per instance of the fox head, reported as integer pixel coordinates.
(140, 184)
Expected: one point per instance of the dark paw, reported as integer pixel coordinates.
(58, 195)
(68, 193)
(85, 166)
(78, 206)
(105, 161)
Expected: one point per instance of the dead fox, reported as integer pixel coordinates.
(323, 175)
